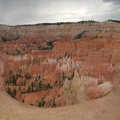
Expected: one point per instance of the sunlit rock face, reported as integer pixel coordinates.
(75, 91)
(82, 89)
(58, 65)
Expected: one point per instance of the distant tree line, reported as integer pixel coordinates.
(87, 21)
(59, 23)
(117, 21)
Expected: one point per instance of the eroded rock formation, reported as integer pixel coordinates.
(75, 91)
(42, 62)
(81, 89)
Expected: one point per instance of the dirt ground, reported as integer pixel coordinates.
(106, 108)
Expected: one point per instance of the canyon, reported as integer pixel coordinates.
(59, 65)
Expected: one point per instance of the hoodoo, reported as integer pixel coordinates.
(71, 63)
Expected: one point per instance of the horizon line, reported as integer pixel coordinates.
(60, 23)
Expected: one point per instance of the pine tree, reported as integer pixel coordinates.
(54, 104)
(28, 90)
(9, 91)
(14, 93)
(41, 104)
(32, 85)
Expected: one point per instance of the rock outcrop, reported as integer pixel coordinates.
(67, 92)
(99, 90)
(75, 91)
(80, 89)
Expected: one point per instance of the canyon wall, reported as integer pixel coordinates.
(57, 65)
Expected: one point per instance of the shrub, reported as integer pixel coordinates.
(41, 104)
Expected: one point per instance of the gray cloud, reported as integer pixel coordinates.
(113, 1)
(35, 11)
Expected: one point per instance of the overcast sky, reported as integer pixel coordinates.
(14, 12)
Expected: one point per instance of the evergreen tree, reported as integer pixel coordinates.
(54, 104)
(28, 90)
(40, 85)
(9, 91)
(32, 85)
(41, 104)
(14, 93)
